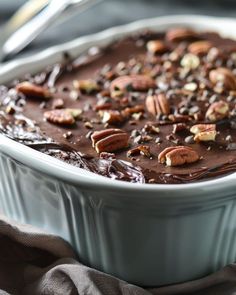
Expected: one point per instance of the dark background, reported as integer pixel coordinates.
(115, 12)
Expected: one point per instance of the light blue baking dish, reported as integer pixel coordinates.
(149, 235)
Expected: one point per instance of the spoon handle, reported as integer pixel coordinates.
(29, 31)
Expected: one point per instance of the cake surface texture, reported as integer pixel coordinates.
(149, 108)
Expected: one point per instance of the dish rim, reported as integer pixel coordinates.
(59, 169)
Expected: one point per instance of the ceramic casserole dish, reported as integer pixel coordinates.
(149, 235)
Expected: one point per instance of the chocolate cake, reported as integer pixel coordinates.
(150, 108)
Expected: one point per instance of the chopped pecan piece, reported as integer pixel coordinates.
(107, 156)
(178, 155)
(109, 140)
(180, 34)
(191, 86)
(200, 47)
(132, 83)
(112, 117)
(190, 61)
(179, 127)
(33, 90)
(76, 113)
(127, 112)
(10, 109)
(140, 150)
(143, 138)
(217, 111)
(103, 106)
(156, 47)
(87, 86)
(151, 128)
(179, 118)
(224, 76)
(137, 116)
(58, 103)
(88, 125)
(204, 132)
(158, 104)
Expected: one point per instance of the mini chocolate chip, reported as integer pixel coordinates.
(230, 98)
(88, 135)
(230, 63)
(231, 146)
(191, 98)
(229, 138)
(233, 113)
(213, 98)
(67, 135)
(158, 140)
(170, 137)
(183, 111)
(135, 133)
(65, 89)
(233, 124)
(162, 117)
(194, 109)
(138, 139)
(43, 105)
(87, 107)
(189, 139)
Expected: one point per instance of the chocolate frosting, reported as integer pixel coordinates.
(22, 116)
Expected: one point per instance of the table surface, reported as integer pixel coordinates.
(115, 12)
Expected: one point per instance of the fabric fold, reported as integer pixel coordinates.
(35, 262)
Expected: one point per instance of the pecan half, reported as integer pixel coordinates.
(133, 83)
(140, 150)
(200, 47)
(30, 89)
(180, 34)
(109, 140)
(158, 104)
(178, 155)
(204, 132)
(217, 111)
(224, 76)
(62, 116)
(156, 47)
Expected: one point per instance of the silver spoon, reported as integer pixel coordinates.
(29, 31)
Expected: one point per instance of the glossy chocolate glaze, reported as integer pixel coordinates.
(22, 118)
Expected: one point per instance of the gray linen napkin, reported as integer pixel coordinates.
(34, 262)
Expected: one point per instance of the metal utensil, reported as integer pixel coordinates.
(23, 15)
(20, 17)
(31, 29)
